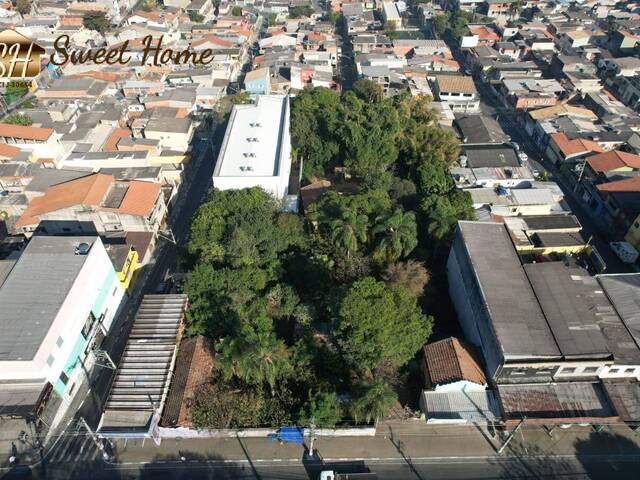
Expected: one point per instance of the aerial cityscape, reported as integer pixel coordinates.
(319, 239)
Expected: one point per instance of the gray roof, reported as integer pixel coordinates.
(625, 398)
(490, 156)
(517, 319)
(457, 406)
(480, 129)
(144, 373)
(34, 291)
(43, 178)
(582, 320)
(623, 291)
(164, 124)
(551, 222)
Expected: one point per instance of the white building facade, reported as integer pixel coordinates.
(58, 302)
(256, 150)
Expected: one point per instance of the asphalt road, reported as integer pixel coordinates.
(566, 468)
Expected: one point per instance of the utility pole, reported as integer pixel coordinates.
(312, 436)
(511, 435)
(95, 438)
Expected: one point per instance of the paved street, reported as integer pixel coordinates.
(422, 452)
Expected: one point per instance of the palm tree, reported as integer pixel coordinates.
(253, 358)
(348, 231)
(374, 403)
(398, 236)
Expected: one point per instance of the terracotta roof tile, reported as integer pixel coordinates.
(140, 198)
(626, 185)
(455, 83)
(576, 146)
(450, 361)
(8, 151)
(607, 161)
(111, 145)
(26, 133)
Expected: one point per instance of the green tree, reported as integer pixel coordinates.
(368, 91)
(254, 357)
(459, 27)
(349, 231)
(373, 402)
(443, 212)
(196, 17)
(390, 30)
(300, 11)
(315, 118)
(376, 324)
(440, 23)
(397, 236)
(15, 90)
(236, 11)
(331, 17)
(23, 6)
(325, 409)
(19, 119)
(96, 21)
(219, 405)
(411, 275)
(273, 19)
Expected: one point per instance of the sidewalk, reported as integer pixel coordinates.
(444, 441)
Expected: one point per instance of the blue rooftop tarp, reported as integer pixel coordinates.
(291, 435)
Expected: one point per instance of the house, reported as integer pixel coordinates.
(258, 81)
(172, 133)
(527, 93)
(561, 149)
(535, 322)
(499, 8)
(96, 203)
(256, 149)
(59, 299)
(629, 91)
(490, 165)
(458, 91)
(450, 365)
(43, 142)
(480, 130)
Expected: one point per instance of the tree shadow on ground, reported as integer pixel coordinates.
(609, 455)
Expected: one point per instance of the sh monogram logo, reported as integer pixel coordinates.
(19, 55)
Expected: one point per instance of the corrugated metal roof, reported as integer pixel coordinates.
(624, 292)
(532, 196)
(515, 314)
(581, 317)
(34, 291)
(144, 373)
(469, 406)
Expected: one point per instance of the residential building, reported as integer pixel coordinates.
(58, 301)
(458, 91)
(96, 203)
(258, 81)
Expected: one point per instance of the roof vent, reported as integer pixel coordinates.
(83, 248)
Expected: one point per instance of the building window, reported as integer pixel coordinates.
(614, 370)
(115, 289)
(567, 370)
(630, 370)
(517, 372)
(63, 378)
(590, 369)
(88, 324)
(50, 360)
(59, 342)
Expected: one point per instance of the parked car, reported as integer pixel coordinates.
(624, 251)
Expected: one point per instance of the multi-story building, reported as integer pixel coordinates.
(256, 150)
(58, 302)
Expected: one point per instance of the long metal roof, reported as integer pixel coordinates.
(142, 381)
(623, 291)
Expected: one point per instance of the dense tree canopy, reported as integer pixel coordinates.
(376, 323)
(317, 317)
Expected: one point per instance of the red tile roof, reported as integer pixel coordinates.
(575, 147)
(8, 151)
(607, 161)
(139, 199)
(26, 133)
(626, 185)
(449, 361)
